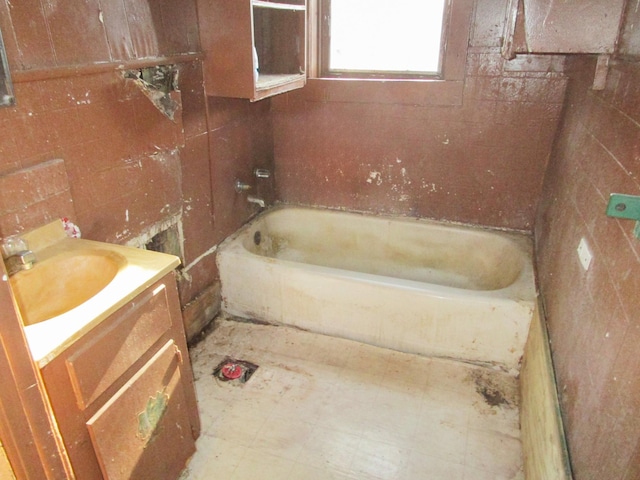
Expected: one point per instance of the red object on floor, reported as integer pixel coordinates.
(232, 371)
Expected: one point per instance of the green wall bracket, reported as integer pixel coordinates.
(625, 206)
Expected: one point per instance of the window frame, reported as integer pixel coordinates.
(7, 98)
(324, 52)
(446, 91)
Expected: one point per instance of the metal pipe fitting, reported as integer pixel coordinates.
(261, 173)
(256, 200)
(242, 187)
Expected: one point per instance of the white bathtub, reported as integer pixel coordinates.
(411, 285)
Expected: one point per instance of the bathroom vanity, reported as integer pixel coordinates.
(123, 394)
(104, 326)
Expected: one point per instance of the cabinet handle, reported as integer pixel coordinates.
(178, 353)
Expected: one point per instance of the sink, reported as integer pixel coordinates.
(62, 282)
(75, 284)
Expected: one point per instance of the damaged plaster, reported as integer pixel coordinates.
(157, 83)
(175, 221)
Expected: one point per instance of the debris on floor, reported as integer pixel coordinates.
(497, 389)
(322, 407)
(234, 370)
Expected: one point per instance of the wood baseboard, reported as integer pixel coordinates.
(199, 313)
(542, 433)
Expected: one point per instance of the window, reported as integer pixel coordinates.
(382, 38)
(420, 78)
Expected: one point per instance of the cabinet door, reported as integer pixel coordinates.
(103, 359)
(572, 26)
(143, 431)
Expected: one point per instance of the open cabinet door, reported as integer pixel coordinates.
(27, 429)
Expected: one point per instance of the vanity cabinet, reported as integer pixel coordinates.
(234, 32)
(123, 394)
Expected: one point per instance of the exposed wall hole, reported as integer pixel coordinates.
(166, 241)
(157, 83)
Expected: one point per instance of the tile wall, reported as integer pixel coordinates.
(477, 156)
(85, 143)
(593, 315)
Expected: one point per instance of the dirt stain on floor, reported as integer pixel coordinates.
(496, 388)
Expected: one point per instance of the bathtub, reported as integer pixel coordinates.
(411, 285)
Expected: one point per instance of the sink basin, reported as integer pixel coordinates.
(62, 282)
(75, 284)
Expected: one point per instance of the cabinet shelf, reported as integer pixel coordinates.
(271, 84)
(278, 6)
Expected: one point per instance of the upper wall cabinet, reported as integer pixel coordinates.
(254, 48)
(567, 26)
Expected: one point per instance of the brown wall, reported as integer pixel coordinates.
(391, 149)
(82, 142)
(593, 316)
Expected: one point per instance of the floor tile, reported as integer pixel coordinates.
(307, 472)
(328, 408)
(379, 460)
(329, 449)
(426, 467)
(256, 464)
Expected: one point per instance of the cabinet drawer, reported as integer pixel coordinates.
(142, 431)
(97, 364)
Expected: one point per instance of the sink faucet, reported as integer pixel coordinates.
(23, 260)
(256, 200)
(17, 255)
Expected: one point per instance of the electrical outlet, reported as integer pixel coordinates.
(584, 254)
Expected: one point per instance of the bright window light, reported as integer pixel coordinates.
(389, 36)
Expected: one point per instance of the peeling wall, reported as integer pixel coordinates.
(123, 170)
(593, 315)
(84, 143)
(476, 159)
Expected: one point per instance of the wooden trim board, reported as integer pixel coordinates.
(543, 441)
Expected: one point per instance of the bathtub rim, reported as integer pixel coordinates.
(522, 290)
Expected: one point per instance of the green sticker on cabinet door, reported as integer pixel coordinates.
(149, 418)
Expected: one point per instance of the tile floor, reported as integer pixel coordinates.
(331, 409)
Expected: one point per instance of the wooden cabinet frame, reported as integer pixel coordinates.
(87, 381)
(571, 26)
(29, 433)
(230, 30)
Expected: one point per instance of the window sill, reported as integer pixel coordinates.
(388, 91)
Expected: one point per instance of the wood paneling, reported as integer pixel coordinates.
(541, 430)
